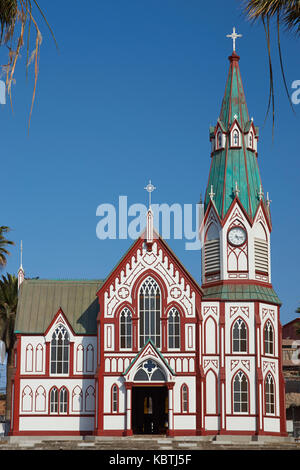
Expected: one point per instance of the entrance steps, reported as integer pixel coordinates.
(148, 442)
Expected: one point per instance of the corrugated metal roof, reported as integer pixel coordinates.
(241, 292)
(40, 300)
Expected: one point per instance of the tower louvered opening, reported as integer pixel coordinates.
(212, 256)
(261, 254)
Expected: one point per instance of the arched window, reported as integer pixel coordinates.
(150, 308)
(59, 401)
(239, 336)
(149, 371)
(236, 138)
(219, 139)
(125, 329)
(114, 399)
(63, 401)
(251, 140)
(60, 345)
(240, 393)
(269, 338)
(184, 399)
(174, 328)
(270, 394)
(54, 400)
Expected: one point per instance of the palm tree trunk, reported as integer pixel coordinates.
(9, 377)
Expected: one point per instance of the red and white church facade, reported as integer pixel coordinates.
(148, 349)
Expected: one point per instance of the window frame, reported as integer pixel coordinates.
(173, 325)
(184, 398)
(240, 374)
(267, 341)
(153, 313)
(239, 339)
(235, 133)
(60, 353)
(58, 401)
(115, 399)
(268, 394)
(126, 335)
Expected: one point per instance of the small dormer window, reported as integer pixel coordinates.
(235, 138)
(219, 139)
(251, 140)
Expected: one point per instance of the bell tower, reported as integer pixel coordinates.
(237, 220)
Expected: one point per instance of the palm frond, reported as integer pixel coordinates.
(16, 21)
(287, 14)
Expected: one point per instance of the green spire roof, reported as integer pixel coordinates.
(231, 167)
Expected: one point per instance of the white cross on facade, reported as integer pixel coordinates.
(212, 194)
(234, 36)
(150, 188)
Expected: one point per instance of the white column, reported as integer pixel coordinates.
(128, 408)
(170, 406)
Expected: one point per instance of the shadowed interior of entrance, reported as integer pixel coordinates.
(149, 410)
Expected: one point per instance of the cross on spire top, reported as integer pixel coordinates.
(234, 36)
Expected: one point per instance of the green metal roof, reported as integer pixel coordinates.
(40, 300)
(234, 165)
(241, 292)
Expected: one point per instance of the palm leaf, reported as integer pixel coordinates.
(15, 13)
(287, 14)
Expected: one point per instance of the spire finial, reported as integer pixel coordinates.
(261, 193)
(150, 188)
(234, 36)
(21, 255)
(212, 194)
(21, 273)
(236, 189)
(268, 200)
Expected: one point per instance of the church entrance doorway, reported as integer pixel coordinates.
(149, 410)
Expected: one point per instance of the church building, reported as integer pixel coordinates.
(150, 351)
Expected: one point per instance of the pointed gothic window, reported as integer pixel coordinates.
(240, 393)
(63, 401)
(269, 338)
(150, 311)
(54, 400)
(270, 394)
(125, 329)
(59, 401)
(184, 398)
(219, 140)
(60, 345)
(239, 336)
(174, 328)
(114, 399)
(251, 140)
(236, 138)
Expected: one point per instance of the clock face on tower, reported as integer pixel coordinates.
(237, 236)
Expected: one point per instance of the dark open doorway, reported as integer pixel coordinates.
(149, 410)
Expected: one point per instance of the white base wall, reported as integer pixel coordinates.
(184, 422)
(72, 424)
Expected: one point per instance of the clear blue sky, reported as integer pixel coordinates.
(130, 96)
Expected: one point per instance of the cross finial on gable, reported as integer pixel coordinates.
(150, 188)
